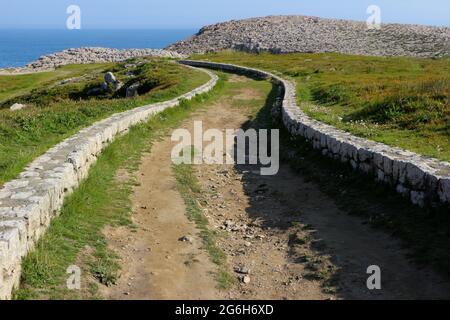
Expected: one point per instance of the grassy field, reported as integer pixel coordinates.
(76, 237)
(402, 102)
(60, 110)
(16, 85)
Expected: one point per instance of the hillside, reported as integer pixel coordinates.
(288, 34)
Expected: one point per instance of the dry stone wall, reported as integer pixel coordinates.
(423, 180)
(30, 202)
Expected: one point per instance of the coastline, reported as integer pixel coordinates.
(86, 55)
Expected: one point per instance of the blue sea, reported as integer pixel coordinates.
(19, 47)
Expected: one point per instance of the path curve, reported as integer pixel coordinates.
(30, 202)
(423, 180)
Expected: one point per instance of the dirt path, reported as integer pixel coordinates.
(155, 264)
(281, 233)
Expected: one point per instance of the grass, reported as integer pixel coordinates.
(152, 75)
(424, 232)
(16, 85)
(190, 191)
(402, 102)
(101, 200)
(26, 134)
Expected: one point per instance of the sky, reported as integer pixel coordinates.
(193, 14)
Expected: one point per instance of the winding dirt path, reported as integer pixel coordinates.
(286, 237)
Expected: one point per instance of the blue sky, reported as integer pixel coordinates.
(138, 14)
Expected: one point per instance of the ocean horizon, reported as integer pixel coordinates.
(20, 47)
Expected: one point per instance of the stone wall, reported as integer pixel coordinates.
(30, 202)
(423, 180)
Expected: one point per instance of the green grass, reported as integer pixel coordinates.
(100, 200)
(26, 134)
(15, 85)
(152, 75)
(190, 191)
(402, 102)
(424, 232)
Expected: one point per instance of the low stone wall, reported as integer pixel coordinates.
(30, 202)
(423, 180)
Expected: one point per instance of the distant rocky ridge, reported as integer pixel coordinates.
(287, 34)
(89, 55)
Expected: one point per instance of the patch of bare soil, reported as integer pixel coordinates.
(284, 238)
(156, 264)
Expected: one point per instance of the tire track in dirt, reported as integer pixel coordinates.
(281, 233)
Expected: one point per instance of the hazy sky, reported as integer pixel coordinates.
(120, 14)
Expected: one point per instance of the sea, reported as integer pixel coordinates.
(20, 47)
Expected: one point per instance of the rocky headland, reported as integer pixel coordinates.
(287, 34)
(88, 55)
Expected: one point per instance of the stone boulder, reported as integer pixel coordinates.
(17, 106)
(132, 90)
(110, 78)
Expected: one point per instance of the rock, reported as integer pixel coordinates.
(186, 239)
(132, 90)
(288, 34)
(92, 55)
(418, 198)
(245, 279)
(110, 78)
(95, 90)
(229, 223)
(17, 106)
(242, 270)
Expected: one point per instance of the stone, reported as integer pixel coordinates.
(92, 55)
(245, 279)
(364, 154)
(186, 239)
(418, 198)
(95, 90)
(22, 195)
(117, 86)
(242, 270)
(444, 190)
(132, 90)
(415, 176)
(110, 78)
(5, 194)
(403, 190)
(17, 107)
(288, 34)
